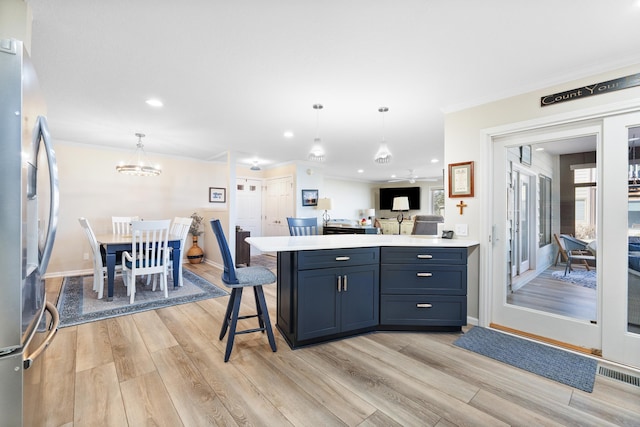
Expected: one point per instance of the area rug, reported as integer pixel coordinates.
(558, 365)
(587, 279)
(78, 303)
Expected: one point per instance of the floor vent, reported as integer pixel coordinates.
(620, 376)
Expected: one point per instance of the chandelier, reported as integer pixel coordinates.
(383, 156)
(138, 166)
(317, 152)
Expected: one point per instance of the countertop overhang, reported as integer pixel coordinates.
(343, 241)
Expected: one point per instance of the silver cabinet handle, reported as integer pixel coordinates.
(339, 283)
(344, 288)
(343, 258)
(424, 274)
(424, 305)
(424, 256)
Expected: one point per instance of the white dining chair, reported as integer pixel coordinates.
(122, 224)
(99, 267)
(149, 255)
(180, 227)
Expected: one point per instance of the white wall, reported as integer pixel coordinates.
(90, 187)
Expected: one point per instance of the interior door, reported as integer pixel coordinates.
(249, 207)
(621, 307)
(563, 328)
(279, 205)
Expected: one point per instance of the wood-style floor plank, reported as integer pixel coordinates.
(195, 401)
(98, 401)
(165, 367)
(147, 402)
(94, 345)
(130, 353)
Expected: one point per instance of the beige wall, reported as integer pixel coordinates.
(91, 187)
(464, 141)
(463, 130)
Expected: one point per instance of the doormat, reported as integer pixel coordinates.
(587, 279)
(550, 362)
(78, 303)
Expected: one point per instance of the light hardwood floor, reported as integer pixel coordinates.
(165, 368)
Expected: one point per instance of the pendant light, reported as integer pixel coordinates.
(317, 152)
(383, 155)
(138, 166)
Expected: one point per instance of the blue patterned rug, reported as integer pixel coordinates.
(78, 303)
(587, 279)
(550, 362)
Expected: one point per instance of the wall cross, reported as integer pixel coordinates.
(461, 205)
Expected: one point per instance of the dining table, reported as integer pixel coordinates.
(114, 243)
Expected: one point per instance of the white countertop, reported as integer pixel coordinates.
(341, 241)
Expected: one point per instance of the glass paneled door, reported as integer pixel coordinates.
(620, 251)
(543, 299)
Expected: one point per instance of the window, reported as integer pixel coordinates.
(437, 201)
(545, 211)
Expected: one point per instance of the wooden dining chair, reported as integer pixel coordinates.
(179, 227)
(122, 224)
(149, 255)
(99, 260)
(237, 280)
(302, 226)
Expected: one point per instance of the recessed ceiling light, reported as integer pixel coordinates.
(434, 160)
(288, 134)
(154, 102)
(360, 170)
(540, 149)
(393, 175)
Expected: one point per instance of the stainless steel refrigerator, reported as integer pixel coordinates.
(28, 221)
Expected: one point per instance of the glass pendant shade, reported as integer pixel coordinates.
(317, 152)
(383, 155)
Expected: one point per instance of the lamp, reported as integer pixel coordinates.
(325, 204)
(383, 155)
(317, 152)
(139, 167)
(255, 166)
(400, 204)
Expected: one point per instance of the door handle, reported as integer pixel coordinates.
(424, 256)
(424, 305)
(424, 274)
(343, 258)
(344, 286)
(339, 283)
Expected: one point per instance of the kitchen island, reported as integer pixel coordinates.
(334, 286)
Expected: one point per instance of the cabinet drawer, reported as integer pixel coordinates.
(425, 310)
(337, 258)
(423, 279)
(423, 255)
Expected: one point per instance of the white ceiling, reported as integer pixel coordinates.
(234, 75)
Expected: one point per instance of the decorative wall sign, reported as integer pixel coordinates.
(590, 90)
(309, 197)
(461, 179)
(217, 195)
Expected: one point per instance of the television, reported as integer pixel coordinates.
(387, 195)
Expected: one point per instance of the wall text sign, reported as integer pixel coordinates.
(590, 90)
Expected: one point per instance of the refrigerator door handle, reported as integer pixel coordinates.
(53, 329)
(43, 130)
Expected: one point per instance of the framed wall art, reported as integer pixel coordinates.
(309, 197)
(217, 195)
(461, 179)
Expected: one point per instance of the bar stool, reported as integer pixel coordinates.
(236, 280)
